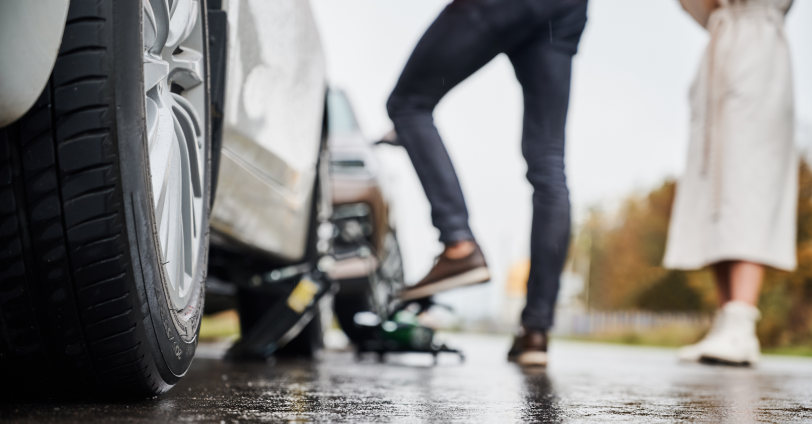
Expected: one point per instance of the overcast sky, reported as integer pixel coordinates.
(627, 128)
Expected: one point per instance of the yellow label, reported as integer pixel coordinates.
(302, 295)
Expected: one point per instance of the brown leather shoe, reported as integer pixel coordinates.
(529, 348)
(450, 274)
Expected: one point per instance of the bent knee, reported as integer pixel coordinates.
(400, 105)
(548, 181)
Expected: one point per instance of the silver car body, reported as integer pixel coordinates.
(275, 96)
(30, 34)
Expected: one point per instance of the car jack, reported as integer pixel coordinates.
(286, 319)
(401, 334)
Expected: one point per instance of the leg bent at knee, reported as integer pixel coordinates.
(408, 105)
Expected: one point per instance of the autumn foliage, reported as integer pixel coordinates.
(622, 253)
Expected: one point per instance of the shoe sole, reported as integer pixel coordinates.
(532, 359)
(468, 278)
(713, 360)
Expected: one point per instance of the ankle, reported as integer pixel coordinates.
(743, 309)
(459, 249)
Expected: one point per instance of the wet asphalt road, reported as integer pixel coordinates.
(585, 382)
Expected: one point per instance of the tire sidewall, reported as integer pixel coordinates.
(172, 341)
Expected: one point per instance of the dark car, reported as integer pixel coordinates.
(368, 265)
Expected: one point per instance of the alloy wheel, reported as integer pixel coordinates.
(175, 98)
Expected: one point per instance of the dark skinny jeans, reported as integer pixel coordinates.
(540, 37)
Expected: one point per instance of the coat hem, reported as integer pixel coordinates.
(697, 265)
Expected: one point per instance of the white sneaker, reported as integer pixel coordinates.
(693, 353)
(735, 341)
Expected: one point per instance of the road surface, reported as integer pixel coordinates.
(585, 382)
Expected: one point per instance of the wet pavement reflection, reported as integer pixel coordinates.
(585, 382)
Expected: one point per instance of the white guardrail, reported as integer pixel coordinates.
(597, 322)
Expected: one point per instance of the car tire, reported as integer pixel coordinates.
(89, 303)
(345, 307)
(356, 295)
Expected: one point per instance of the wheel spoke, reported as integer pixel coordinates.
(187, 130)
(184, 17)
(150, 26)
(167, 207)
(160, 157)
(174, 242)
(187, 106)
(162, 215)
(185, 180)
(187, 69)
(153, 117)
(160, 16)
(155, 71)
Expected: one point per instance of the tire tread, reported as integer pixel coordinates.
(67, 315)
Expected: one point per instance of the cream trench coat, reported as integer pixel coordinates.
(737, 199)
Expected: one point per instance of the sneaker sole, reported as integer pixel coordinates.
(715, 360)
(536, 359)
(468, 278)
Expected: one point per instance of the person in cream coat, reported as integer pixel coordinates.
(735, 206)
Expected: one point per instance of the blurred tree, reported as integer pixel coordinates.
(787, 296)
(671, 293)
(626, 258)
(621, 255)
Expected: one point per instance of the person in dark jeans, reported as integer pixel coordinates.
(540, 37)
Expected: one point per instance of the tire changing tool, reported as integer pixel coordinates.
(401, 333)
(286, 319)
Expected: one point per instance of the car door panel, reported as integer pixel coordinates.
(272, 127)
